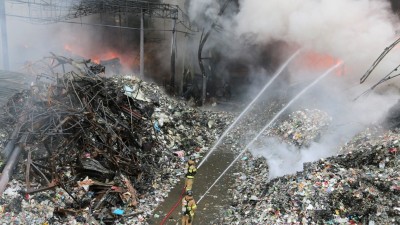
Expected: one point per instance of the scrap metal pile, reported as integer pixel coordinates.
(359, 186)
(98, 149)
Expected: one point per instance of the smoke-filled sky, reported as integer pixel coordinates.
(354, 32)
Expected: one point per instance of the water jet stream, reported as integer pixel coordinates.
(277, 73)
(269, 124)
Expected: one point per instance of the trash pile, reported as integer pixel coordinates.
(302, 127)
(98, 150)
(361, 185)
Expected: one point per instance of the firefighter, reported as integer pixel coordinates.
(191, 170)
(188, 208)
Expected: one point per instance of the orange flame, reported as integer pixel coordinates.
(127, 61)
(68, 48)
(318, 62)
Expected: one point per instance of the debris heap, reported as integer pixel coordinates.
(359, 186)
(98, 149)
(302, 127)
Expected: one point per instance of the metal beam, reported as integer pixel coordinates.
(142, 45)
(173, 56)
(4, 36)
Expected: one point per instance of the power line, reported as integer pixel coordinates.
(101, 25)
(73, 9)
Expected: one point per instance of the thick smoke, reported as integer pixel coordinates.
(348, 118)
(354, 32)
(31, 40)
(204, 11)
(285, 159)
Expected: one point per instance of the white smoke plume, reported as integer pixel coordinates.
(352, 31)
(204, 10)
(349, 118)
(285, 159)
(355, 31)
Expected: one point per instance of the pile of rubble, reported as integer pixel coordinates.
(361, 185)
(302, 127)
(98, 150)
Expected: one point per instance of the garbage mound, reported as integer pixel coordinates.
(302, 127)
(98, 150)
(359, 186)
(391, 120)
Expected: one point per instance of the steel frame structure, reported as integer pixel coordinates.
(54, 11)
(158, 10)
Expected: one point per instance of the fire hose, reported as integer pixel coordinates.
(173, 207)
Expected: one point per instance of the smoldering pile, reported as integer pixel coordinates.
(359, 186)
(98, 150)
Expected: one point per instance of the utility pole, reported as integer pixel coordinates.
(203, 40)
(141, 44)
(173, 55)
(3, 24)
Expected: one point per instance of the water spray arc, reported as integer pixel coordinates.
(277, 73)
(269, 124)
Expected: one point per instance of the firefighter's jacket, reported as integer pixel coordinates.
(188, 205)
(191, 171)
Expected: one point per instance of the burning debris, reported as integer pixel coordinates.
(97, 149)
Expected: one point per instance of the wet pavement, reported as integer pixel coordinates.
(219, 198)
(210, 206)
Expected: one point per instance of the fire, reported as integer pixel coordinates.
(319, 62)
(103, 54)
(67, 48)
(96, 60)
